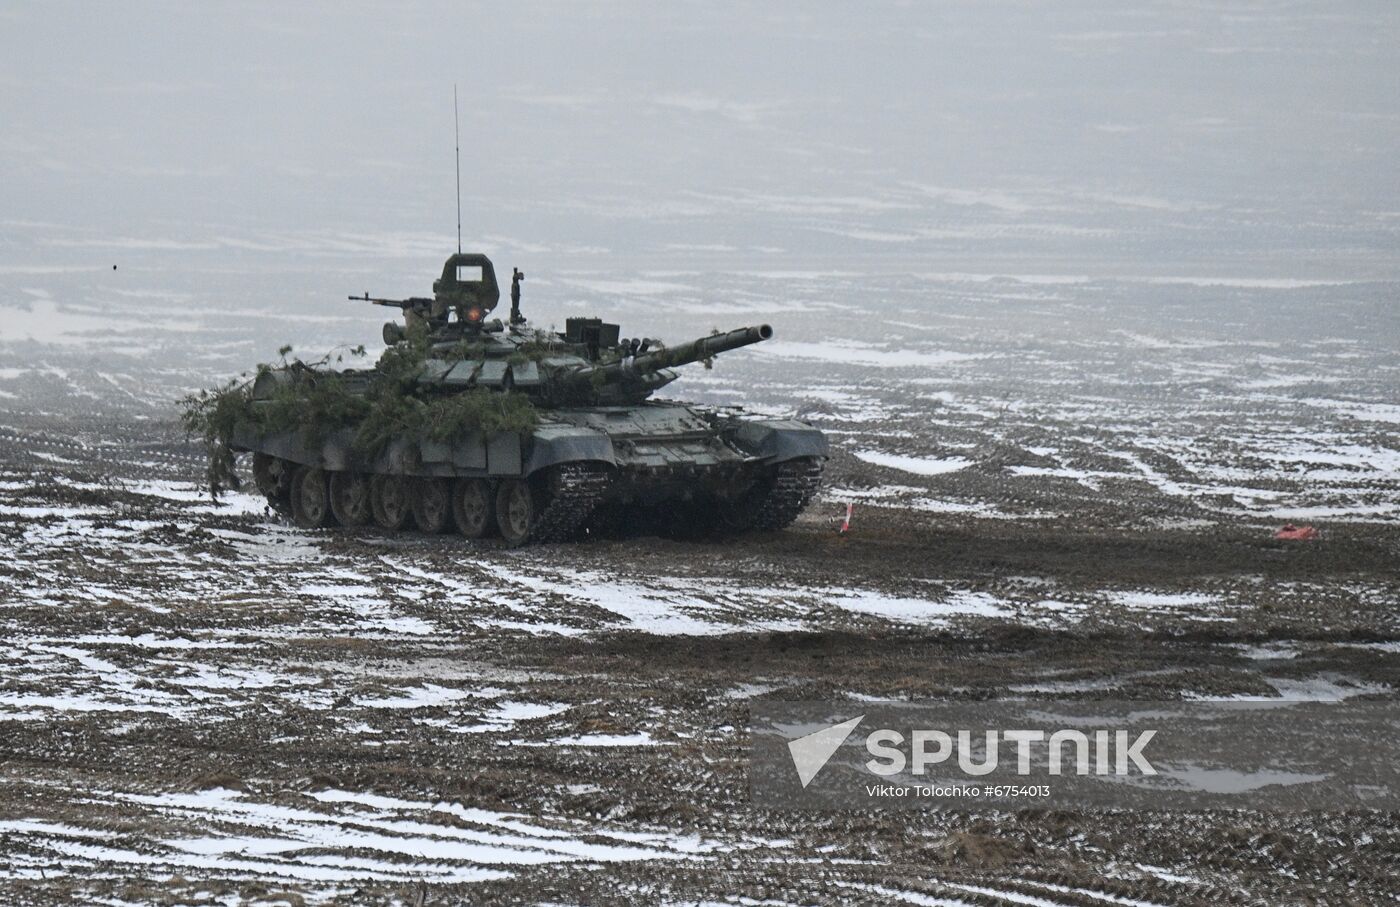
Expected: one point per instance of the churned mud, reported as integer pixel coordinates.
(202, 700)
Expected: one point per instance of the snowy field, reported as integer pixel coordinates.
(1089, 299)
(208, 697)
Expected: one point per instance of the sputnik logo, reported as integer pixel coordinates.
(812, 752)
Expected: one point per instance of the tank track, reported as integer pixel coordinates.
(274, 485)
(795, 483)
(575, 490)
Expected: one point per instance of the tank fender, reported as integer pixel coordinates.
(333, 453)
(777, 440)
(553, 444)
(498, 454)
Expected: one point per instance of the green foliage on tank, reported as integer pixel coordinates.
(381, 405)
(213, 415)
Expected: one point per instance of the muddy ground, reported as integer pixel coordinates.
(1063, 486)
(203, 704)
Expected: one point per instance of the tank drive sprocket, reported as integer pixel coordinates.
(795, 484)
(777, 500)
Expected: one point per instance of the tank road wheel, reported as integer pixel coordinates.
(311, 499)
(515, 511)
(473, 507)
(350, 498)
(389, 501)
(274, 479)
(432, 505)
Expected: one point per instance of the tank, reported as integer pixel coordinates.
(492, 428)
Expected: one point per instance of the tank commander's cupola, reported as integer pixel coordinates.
(463, 296)
(468, 287)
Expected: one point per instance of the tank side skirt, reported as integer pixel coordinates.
(475, 456)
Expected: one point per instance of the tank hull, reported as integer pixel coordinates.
(652, 437)
(654, 457)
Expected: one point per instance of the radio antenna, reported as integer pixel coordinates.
(457, 137)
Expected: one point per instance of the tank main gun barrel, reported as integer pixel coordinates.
(695, 350)
(672, 356)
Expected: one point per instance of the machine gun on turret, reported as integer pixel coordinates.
(414, 302)
(417, 310)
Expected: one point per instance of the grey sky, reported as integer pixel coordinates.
(1248, 133)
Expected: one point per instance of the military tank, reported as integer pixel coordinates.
(599, 457)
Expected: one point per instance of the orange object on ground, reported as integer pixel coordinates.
(1289, 531)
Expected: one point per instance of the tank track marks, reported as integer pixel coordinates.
(795, 483)
(574, 491)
